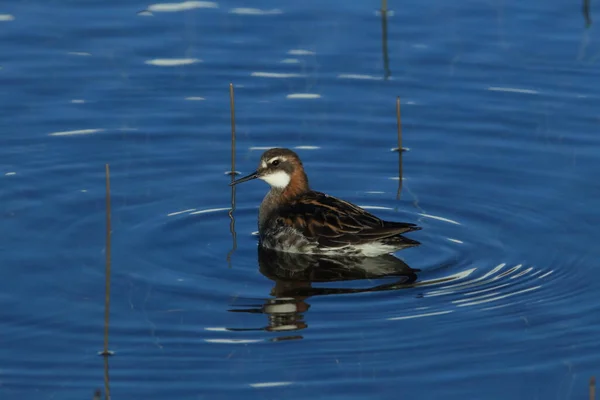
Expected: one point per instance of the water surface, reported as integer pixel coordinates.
(499, 104)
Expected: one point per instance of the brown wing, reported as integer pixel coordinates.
(334, 223)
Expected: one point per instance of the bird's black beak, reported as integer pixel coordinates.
(253, 175)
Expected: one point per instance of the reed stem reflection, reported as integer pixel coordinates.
(586, 13)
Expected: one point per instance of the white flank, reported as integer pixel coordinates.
(374, 249)
(255, 11)
(307, 147)
(290, 61)
(78, 132)
(303, 96)
(172, 62)
(279, 179)
(195, 98)
(7, 17)
(10, 173)
(186, 5)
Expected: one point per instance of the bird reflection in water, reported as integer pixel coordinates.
(294, 275)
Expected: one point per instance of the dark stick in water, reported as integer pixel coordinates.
(233, 173)
(593, 388)
(384, 45)
(399, 147)
(107, 352)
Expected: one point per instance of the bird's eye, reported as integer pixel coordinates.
(275, 163)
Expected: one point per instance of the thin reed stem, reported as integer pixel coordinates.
(399, 147)
(233, 174)
(107, 352)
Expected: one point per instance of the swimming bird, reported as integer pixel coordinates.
(296, 219)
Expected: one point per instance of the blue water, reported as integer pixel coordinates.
(499, 110)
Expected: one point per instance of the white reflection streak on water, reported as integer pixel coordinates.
(528, 270)
(376, 208)
(172, 62)
(460, 275)
(452, 288)
(439, 218)
(233, 341)
(77, 132)
(270, 384)
(210, 210)
(500, 297)
(498, 306)
(487, 290)
(303, 96)
(192, 211)
(301, 52)
(476, 298)
(186, 5)
(512, 90)
(180, 212)
(255, 11)
(280, 75)
(359, 77)
(420, 315)
(261, 147)
(215, 329)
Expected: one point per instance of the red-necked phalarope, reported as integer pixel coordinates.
(296, 219)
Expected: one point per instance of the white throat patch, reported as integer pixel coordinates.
(279, 179)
